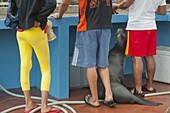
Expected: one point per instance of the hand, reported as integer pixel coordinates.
(36, 24)
(114, 8)
(94, 3)
(56, 15)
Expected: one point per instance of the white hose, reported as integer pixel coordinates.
(13, 108)
(23, 106)
(63, 103)
(62, 109)
(157, 94)
(38, 108)
(168, 110)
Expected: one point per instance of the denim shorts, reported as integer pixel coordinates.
(92, 48)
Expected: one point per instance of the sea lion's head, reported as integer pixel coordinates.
(120, 38)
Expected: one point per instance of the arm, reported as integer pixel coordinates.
(13, 7)
(125, 4)
(161, 10)
(122, 5)
(46, 10)
(62, 9)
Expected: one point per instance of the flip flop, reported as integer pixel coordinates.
(28, 111)
(144, 88)
(87, 101)
(136, 93)
(110, 104)
(53, 111)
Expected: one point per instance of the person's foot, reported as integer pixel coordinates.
(137, 93)
(30, 106)
(108, 97)
(49, 109)
(148, 88)
(91, 102)
(109, 103)
(109, 100)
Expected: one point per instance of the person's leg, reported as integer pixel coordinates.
(28, 101)
(150, 67)
(26, 64)
(92, 80)
(44, 101)
(104, 74)
(137, 47)
(102, 61)
(85, 56)
(137, 72)
(40, 45)
(150, 62)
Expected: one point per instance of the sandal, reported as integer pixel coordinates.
(144, 88)
(28, 111)
(87, 101)
(53, 111)
(136, 93)
(110, 104)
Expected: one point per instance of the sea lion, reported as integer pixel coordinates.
(116, 68)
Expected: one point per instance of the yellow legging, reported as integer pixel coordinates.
(36, 39)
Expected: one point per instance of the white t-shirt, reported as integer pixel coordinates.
(142, 14)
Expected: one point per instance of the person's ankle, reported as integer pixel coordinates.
(109, 96)
(28, 102)
(92, 99)
(44, 108)
(149, 85)
(30, 105)
(139, 88)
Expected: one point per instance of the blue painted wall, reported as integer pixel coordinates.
(10, 60)
(60, 50)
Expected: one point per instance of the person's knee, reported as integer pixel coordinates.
(45, 69)
(136, 59)
(150, 61)
(149, 57)
(26, 65)
(102, 69)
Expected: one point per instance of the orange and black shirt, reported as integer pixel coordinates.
(94, 14)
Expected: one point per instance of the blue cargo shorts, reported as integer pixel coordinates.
(92, 48)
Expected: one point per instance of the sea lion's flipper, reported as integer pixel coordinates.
(149, 103)
(123, 95)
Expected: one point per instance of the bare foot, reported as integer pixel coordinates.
(30, 106)
(91, 101)
(109, 97)
(149, 87)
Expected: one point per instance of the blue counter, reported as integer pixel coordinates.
(60, 50)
